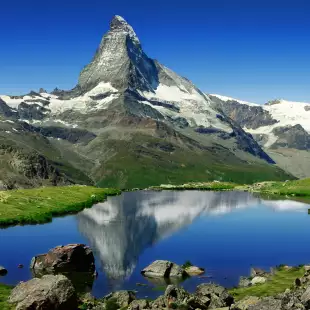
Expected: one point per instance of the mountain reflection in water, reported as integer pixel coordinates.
(121, 228)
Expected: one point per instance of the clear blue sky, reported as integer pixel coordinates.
(251, 50)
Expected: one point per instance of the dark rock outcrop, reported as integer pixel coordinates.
(3, 271)
(248, 116)
(69, 258)
(49, 292)
(295, 137)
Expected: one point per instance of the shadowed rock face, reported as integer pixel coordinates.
(295, 137)
(251, 117)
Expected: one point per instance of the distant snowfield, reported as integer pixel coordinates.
(194, 106)
(285, 112)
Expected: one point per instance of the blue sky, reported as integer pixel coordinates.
(251, 50)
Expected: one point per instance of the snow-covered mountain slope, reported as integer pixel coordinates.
(281, 127)
(268, 119)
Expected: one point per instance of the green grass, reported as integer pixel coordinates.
(279, 282)
(5, 292)
(32, 206)
(298, 188)
(212, 186)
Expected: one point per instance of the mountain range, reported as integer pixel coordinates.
(132, 122)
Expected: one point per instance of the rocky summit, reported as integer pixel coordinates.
(129, 122)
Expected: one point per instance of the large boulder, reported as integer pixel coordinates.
(50, 292)
(68, 258)
(163, 269)
(218, 296)
(3, 271)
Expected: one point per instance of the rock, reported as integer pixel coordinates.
(158, 303)
(258, 272)
(258, 280)
(69, 258)
(305, 297)
(3, 271)
(194, 271)
(139, 304)
(163, 269)
(122, 298)
(177, 294)
(218, 295)
(244, 303)
(268, 303)
(50, 292)
(244, 282)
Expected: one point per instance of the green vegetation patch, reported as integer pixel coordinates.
(289, 188)
(5, 292)
(278, 283)
(32, 206)
(212, 186)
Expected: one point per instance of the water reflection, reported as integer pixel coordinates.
(121, 228)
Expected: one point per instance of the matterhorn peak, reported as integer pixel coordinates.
(120, 61)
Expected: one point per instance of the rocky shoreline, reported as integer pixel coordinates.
(53, 287)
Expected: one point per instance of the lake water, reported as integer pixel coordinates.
(224, 232)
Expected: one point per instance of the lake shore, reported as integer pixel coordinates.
(40, 205)
(285, 287)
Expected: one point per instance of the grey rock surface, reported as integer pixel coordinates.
(49, 292)
(163, 269)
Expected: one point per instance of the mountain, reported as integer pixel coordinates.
(281, 127)
(132, 122)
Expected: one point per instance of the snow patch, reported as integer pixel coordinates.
(194, 106)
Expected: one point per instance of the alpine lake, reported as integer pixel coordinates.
(226, 233)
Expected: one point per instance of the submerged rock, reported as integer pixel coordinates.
(194, 271)
(69, 258)
(163, 269)
(3, 271)
(49, 292)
